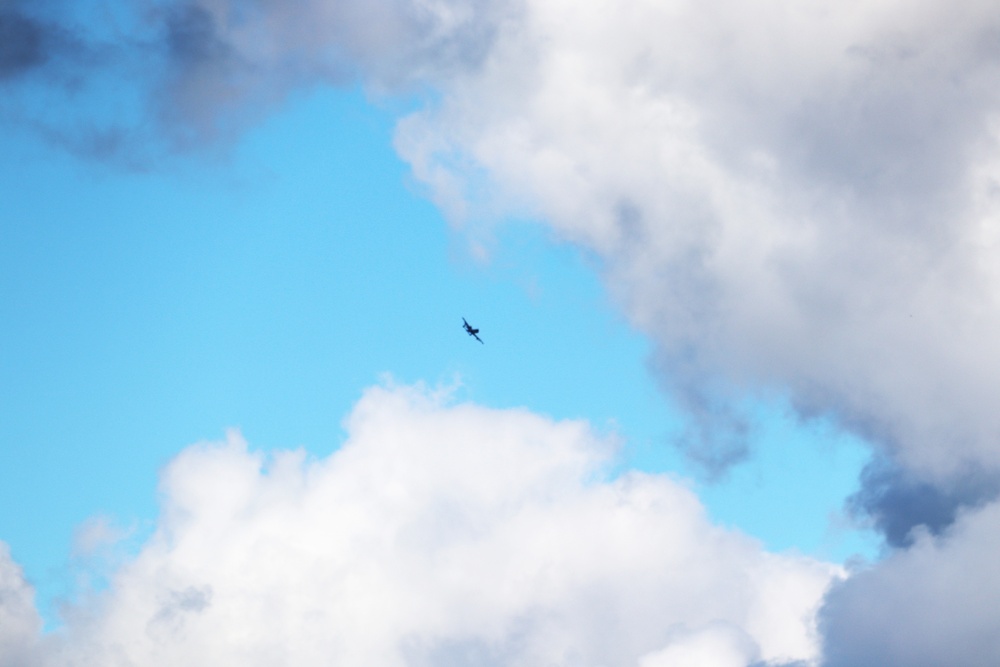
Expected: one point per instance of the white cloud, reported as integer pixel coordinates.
(96, 534)
(791, 197)
(795, 196)
(19, 622)
(439, 534)
(716, 646)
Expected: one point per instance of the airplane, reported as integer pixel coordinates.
(472, 332)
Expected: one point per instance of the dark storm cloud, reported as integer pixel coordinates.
(31, 45)
(930, 605)
(150, 82)
(181, 76)
(22, 44)
(206, 91)
(896, 502)
(191, 37)
(57, 73)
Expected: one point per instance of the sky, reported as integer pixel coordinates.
(734, 272)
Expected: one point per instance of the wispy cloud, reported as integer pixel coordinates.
(33, 44)
(195, 74)
(23, 41)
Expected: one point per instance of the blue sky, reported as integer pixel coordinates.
(753, 256)
(266, 289)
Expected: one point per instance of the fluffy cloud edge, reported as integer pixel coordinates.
(438, 532)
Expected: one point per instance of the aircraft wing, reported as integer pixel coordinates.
(469, 330)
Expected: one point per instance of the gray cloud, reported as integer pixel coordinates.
(34, 44)
(933, 604)
(792, 199)
(19, 621)
(63, 67)
(789, 211)
(797, 200)
(810, 197)
(22, 43)
(167, 623)
(191, 36)
(897, 503)
(716, 436)
(196, 73)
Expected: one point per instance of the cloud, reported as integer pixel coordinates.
(21, 44)
(897, 503)
(711, 647)
(791, 199)
(932, 604)
(228, 60)
(798, 200)
(60, 67)
(132, 83)
(35, 44)
(438, 534)
(19, 621)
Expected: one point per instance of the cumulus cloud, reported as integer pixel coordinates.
(439, 534)
(793, 198)
(798, 199)
(932, 604)
(896, 503)
(19, 621)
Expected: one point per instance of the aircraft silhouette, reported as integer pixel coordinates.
(472, 332)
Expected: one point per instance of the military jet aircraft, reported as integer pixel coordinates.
(472, 332)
